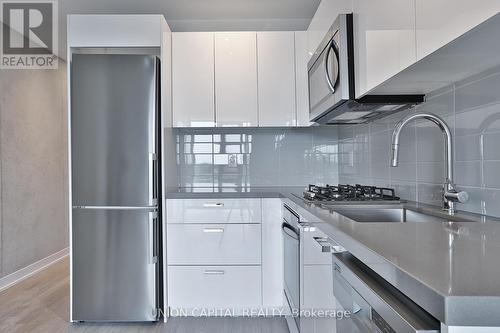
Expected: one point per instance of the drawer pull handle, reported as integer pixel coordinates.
(327, 245)
(214, 272)
(213, 204)
(213, 230)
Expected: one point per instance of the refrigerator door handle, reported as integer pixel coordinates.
(153, 257)
(149, 208)
(152, 179)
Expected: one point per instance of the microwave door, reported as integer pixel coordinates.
(323, 81)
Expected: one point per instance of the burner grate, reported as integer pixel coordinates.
(345, 192)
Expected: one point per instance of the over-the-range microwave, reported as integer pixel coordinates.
(332, 97)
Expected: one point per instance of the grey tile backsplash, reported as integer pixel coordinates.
(243, 157)
(472, 110)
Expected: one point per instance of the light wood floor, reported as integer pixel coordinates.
(41, 304)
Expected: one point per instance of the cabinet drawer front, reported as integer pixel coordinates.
(213, 244)
(312, 250)
(213, 211)
(317, 287)
(214, 287)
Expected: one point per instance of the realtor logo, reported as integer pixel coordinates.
(29, 34)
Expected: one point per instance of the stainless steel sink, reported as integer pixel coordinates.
(400, 213)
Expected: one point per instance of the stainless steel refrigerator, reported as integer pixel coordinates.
(114, 187)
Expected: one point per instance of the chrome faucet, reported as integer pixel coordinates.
(450, 194)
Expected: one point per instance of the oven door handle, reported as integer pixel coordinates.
(290, 231)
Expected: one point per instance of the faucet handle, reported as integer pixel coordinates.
(455, 196)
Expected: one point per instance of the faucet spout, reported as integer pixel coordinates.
(395, 154)
(450, 195)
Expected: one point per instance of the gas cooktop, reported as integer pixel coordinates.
(349, 193)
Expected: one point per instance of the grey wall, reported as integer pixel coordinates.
(472, 110)
(256, 157)
(33, 213)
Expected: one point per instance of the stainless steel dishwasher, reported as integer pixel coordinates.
(374, 304)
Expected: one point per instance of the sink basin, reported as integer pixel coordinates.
(393, 214)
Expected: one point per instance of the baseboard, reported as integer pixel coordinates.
(16, 277)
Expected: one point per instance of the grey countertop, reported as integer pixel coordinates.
(229, 192)
(452, 269)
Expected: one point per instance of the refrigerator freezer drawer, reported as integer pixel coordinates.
(114, 266)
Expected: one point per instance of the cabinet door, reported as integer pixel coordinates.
(193, 79)
(276, 78)
(236, 79)
(272, 253)
(318, 296)
(434, 30)
(301, 79)
(318, 287)
(384, 40)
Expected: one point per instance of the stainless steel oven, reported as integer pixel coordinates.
(374, 305)
(291, 246)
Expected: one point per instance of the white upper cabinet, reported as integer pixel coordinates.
(327, 12)
(236, 79)
(276, 78)
(384, 40)
(115, 30)
(301, 78)
(193, 79)
(441, 21)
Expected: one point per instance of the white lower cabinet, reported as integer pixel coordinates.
(213, 244)
(220, 256)
(272, 254)
(317, 285)
(318, 296)
(214, 287)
